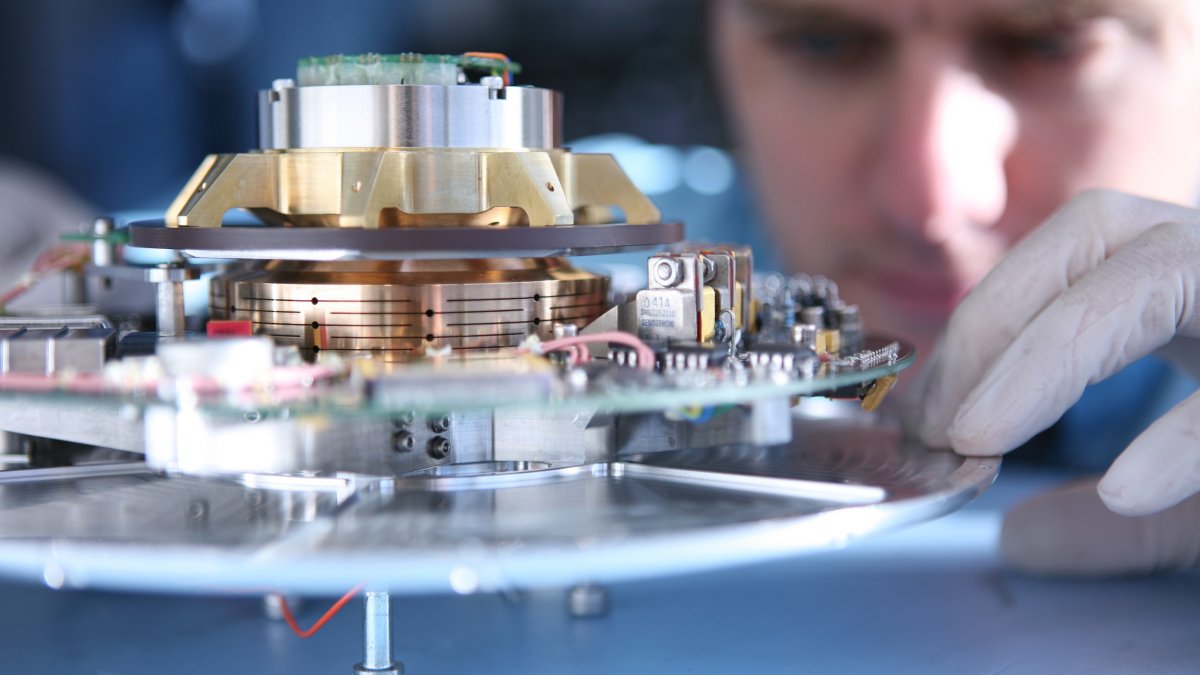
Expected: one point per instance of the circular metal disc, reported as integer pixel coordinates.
(630, 517)
(332, 243)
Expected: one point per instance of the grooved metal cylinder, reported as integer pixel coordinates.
(395, 309)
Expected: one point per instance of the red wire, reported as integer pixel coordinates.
(494, 55)
(329, 614)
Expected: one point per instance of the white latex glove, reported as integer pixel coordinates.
(1107, 280)
(1069, 531)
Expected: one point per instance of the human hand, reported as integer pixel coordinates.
(35, 209)
(1107, 280)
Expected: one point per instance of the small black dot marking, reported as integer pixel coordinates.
(536, 321)
(315, 301)
(537, 296)
(429, 338)
(316, 349)
(429, 312)
(316, 325)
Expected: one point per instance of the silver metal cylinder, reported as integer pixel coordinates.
(104, 252)
(377, 636)
(169, 309)
(408, 116)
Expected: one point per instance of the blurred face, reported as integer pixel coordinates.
(900, 147)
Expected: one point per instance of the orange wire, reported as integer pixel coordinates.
(329, 614)
(494, 55)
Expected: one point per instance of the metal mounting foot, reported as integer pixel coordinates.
(377, 636)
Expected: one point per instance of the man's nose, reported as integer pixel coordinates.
(941, 152)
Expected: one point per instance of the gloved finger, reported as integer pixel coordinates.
(1127, 307)
(1069, 531)
(1184, 354)
(1161, 467)
(1074, 241)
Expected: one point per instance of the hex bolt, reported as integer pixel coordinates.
(438, 447)
(439, 424)
(403, 441)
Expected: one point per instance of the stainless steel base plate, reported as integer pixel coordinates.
(485, 527)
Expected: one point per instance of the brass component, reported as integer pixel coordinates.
(397, 309)
(878, 391)
(829, 341)
(731, 270)
(409, 188)
(708, 314)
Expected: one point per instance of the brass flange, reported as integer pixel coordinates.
(410, 188)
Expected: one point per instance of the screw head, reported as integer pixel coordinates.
(666, 272)
(438, 448)
(439, 423)
(403, 441)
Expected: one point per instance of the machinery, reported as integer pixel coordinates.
(409, 380)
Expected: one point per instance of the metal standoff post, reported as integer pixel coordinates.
(169, 309)
(377, 636)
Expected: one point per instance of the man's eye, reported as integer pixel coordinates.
(833, 48)
(1050, 47)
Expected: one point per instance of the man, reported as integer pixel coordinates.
(904, 147)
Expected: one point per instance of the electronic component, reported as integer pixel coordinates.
(403, 383)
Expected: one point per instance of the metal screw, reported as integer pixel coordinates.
(404, 419)
(666, 272)
(439, 425)
(438, 447)
(402, 441)
(197, 510)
